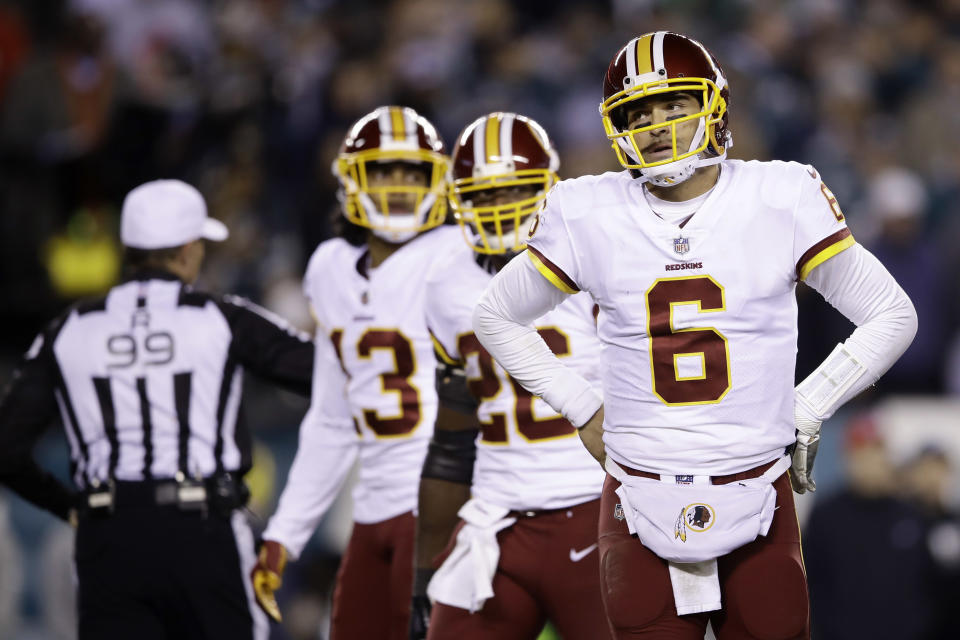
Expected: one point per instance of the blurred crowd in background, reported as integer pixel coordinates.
(250, 99)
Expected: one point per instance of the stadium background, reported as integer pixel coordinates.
(249, 99)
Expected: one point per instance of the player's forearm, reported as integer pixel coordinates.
(324, 458)
(858, 286)
(439, 502)
(502, 321)
(446, 477)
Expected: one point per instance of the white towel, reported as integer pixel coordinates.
(465, 579)
(696, 586)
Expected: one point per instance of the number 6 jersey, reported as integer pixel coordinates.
(528, 456)
(699, 323)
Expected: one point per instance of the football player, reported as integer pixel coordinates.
(693, 259)
(535, 489)
(373, 393)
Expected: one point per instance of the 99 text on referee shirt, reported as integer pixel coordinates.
(147, 382)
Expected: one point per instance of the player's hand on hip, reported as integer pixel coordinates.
(267, 576)
(804, 451)
(591, 434)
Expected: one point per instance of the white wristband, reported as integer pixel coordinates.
(822, 390)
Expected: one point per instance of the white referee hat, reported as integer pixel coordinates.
(166, 213)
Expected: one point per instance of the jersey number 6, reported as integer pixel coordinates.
(689, 366)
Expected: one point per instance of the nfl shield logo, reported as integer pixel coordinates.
(681, 245)
(618, 512)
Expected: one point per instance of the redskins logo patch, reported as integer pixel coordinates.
(696, 517)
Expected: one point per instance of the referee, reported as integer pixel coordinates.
(147, 383)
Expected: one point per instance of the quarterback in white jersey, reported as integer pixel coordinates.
(693, 260)
(373, 391)
(532, 484)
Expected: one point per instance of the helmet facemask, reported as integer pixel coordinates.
(394, 212)
(495, 225)
(684, 159)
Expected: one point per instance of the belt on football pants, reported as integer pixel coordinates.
(755, 472)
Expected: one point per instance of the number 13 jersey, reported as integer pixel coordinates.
(699, 324)
(374, 321)
(528, 456)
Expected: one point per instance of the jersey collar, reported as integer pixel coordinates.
(150, 273)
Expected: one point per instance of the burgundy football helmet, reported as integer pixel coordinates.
(501, 169)
(389, 135)
(661, 63)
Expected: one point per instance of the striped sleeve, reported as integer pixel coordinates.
(823, 251)
(820, 228)
(441, 351)
(550, 246)
(551, 272)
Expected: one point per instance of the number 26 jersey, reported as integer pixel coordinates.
(528, 456)
(699, 323)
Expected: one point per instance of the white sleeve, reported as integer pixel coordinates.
(503, 322)
(325, 453)
(859, 286)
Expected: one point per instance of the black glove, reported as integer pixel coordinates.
(420, 605)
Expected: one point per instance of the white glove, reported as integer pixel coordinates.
(805, 449)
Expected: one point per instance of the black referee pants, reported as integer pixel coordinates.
(158, 573)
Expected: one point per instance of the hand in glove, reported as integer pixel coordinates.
(420, 606)
(805, 449)
(267, 576)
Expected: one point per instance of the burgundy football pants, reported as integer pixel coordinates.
(375, 581)
(547, 571)
(763, 584)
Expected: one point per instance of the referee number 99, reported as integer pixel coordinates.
(152, 349)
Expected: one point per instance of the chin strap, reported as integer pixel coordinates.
(672, 174)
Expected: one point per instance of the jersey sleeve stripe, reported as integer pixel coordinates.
(551, 272)
(823, 251)
(441, 351)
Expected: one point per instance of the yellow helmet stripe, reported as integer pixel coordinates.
(396, 122)
(492, 141)
(643, 52)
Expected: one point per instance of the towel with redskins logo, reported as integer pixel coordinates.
(692, 524)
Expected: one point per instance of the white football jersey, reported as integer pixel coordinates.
(699, 324)
(375, 322)
(528, 456)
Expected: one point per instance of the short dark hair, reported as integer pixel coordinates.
(137, 259)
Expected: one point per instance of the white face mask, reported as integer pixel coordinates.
(671, 174)
(396, 228)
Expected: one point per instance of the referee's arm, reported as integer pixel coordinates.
(26, 410)
(267, 345)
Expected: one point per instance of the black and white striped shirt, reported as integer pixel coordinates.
(147, 382)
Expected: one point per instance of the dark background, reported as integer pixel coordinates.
(249, 100)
